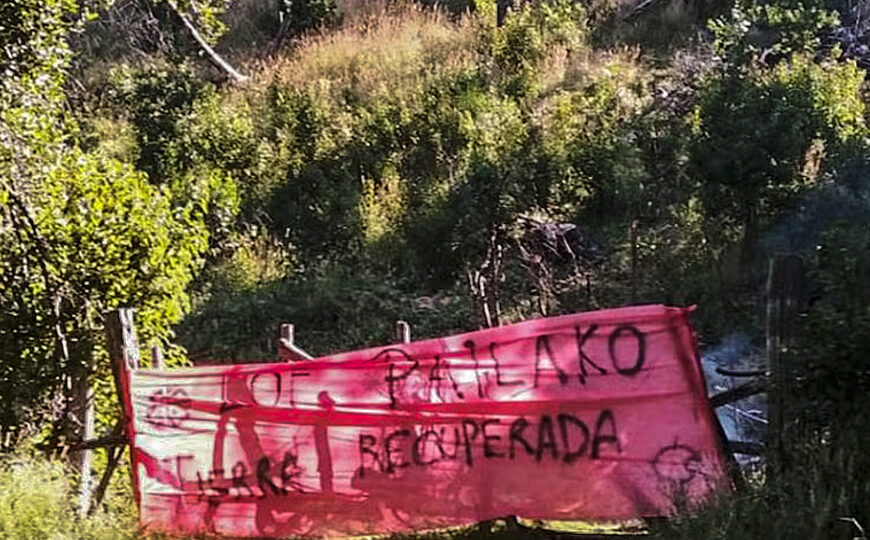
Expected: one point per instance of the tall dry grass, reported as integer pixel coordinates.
(381, 50)
(37, 501)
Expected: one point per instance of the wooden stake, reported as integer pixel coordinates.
(114, 452)
(157, 358)
(124, 356)
(403, 332)
(86, 454)
(287, 349)
(123, 349)
(287, 333)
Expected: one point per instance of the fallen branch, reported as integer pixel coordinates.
(214, 56)
(736, 373)
(741, 392)
(746, 448)
(113, 439)
(643, 6)
(114, 456)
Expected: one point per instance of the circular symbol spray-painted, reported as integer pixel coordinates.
(167, 409)
(677, 464)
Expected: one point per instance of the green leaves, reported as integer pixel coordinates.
(761, 136)
(103, 238)
(80, 233)
(115, 238)
(771, 29)
(529, 35)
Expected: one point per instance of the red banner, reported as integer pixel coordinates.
(595, 416)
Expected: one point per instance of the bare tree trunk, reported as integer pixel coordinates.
(483, 282)
(87, 433)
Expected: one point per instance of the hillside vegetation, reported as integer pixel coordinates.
(448, 164)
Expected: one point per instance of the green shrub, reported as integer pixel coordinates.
(335, 309)
(760, 137)
(529, 35)
(38, 502)
(156, 99)
(771, 29)
(832, 368)
(591, 138)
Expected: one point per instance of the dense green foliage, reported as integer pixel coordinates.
(758, 134)
(417, 161)
(80, 233)
(36, 503)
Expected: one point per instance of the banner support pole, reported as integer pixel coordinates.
(124, 356)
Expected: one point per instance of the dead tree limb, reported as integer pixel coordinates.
(113, 439)
(738, 373)
(736, 394)
(746, 448)
(640, 8)
(114, 456)
(216, 59)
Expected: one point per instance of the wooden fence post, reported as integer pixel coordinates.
(124, 357)
(403, 332)
(288, 332)
(86, 454)
(287, 349)
(123, 349)
(157, 358)
(786, 294)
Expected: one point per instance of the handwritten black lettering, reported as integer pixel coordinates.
(546, 438)
(640, 358)
(605, 419)
(436, 375)
(489, 451)
(239, 472)
(264, 477)
(565, 421)
(212, 483)
(391, 450)
(469, 438)
(290, 472)
(418, 450)
(582, 357)
(498, 379)
(293, 376)
(401, 365)
(516, 435)
(542, 345)
(366, 444)
(471, 351)
(455, 444)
